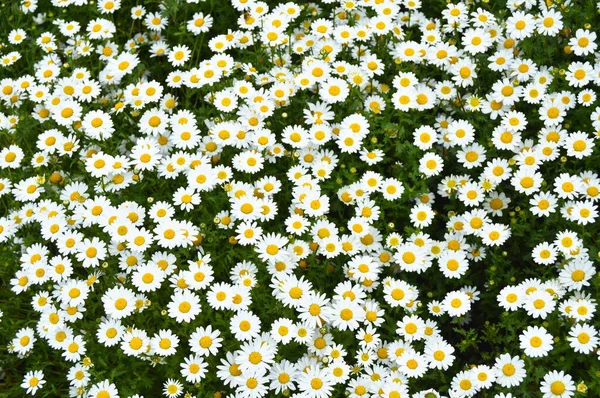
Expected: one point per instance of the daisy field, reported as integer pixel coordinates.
(310, 199)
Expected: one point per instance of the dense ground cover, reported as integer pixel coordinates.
(342, 198)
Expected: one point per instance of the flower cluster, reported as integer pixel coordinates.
(362, 198)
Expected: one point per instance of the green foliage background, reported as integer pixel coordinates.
(491, 331)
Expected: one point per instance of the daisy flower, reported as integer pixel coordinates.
(345, 314)
(119, 302)
(583, 338)
(33, 381)
(172, 388)
(536, 342)
(464, 383)
(583, 43)
(334, 90)
(199, 23)
(579, 145)
(431, 164)
(543, 203)
(165, 342)
(439, 353)
(544, 253)
(245, 325)
(457, 303)
(464, 73)
(579, 74)
(316, 383)
(520, 25)
(550, 23)
(412, 364)
(194, 369)
(510, 371)
(184, 306)
(576, 274)
(557, 384)
(110, 332)
(205, 341)
(252, 384)
(539, 304)
(103, 389)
